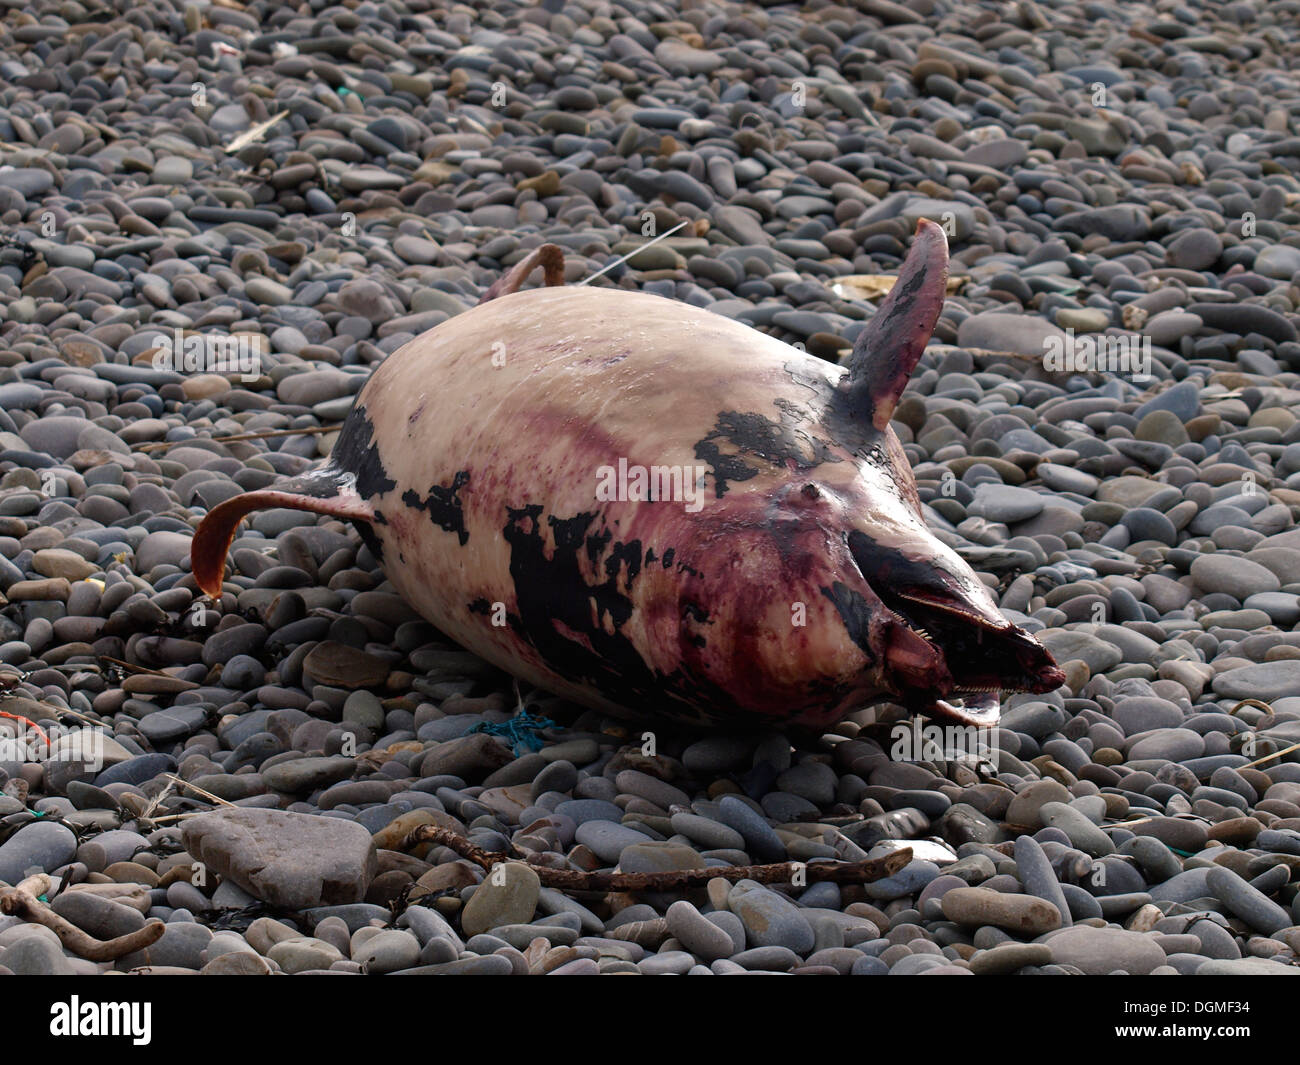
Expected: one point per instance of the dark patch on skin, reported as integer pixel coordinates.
(629, 553)
(597, 544)
(576, 627)
(484, 607)
(370, 538)
(725, 468)
(695, 612)
(328, 481)
(886, 567)
(856, 613)
(444, 506)
(852, 433)
(357, 452)
(667, 561)
(855, 434)
(784, 444)
(900, 307)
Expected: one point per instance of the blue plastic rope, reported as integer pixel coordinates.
(520, 731)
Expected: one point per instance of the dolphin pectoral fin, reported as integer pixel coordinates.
(216, 532)
(888, 349)
(550, 257)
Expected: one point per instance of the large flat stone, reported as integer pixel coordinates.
(290, 860)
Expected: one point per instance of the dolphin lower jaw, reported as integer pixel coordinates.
(976, 665)
(912, 660)
(944, 647)
(982, 654)
(945, 658)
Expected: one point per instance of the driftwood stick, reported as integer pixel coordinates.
(131, 667)
(256, 133)
(266, 434)
(22, 901)
(574, 880)
(1270, 757)
(217, 799)
(134, 895)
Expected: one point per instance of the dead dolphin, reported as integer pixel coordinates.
(659, 512)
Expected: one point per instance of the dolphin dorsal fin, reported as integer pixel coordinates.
(888, 349)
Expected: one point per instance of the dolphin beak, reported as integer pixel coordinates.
(981, 654)
(948, 652)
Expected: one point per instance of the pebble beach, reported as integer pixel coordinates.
(1106, 427)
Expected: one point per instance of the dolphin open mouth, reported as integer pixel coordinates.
(950, 652)
(983, 659)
